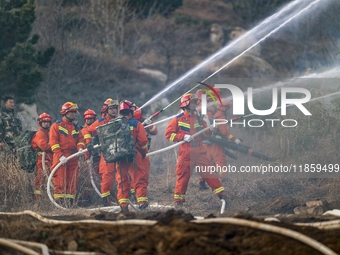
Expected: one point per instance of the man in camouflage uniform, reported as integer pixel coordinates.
(10, 127)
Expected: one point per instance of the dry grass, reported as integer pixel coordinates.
(16, 186)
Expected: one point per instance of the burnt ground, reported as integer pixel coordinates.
(172, 234)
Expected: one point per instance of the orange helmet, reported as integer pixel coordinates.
(108, 102)
(127, 105)
(138, 114)
(89, 114)
(225, 105)
(44, 117)
(68, 107)
(186, 100)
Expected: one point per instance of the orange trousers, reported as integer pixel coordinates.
(65, 178)
(188, 159)
(139, 178)
(107, 173)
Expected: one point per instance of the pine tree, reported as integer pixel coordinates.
(20, 61)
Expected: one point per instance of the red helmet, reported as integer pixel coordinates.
(138, 114)
(89, 114)
(225, 105)
(68, 107)
(186, 99)
(108, 102)
(44, 117)
(127, 105)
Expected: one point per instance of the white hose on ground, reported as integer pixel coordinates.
(234, 221)
(334, 224)
(42, 247)
(9, 243)
(274, 229)
(223, 206)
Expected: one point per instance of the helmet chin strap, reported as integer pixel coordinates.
(68, 119)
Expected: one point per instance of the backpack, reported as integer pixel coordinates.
(116, 141)
(26, 156)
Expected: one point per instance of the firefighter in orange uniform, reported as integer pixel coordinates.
(215, 151)
(151, 130)
(191, 153)
(106, 170)
(65, 140)
(40, 143)
(135, 169)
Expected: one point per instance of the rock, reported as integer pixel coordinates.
(72, 246)
(300, 210)
(314, 203)
(247, 66)
(316, 210)
(155, 74)
(216, 35)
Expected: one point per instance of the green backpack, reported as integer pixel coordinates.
(116, 141)
(26, 156)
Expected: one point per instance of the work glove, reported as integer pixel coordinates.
(147, 122)
(188, 138)
(212, 128)
(89, 147)
(63, 160)
(81, 155)
(238, 141)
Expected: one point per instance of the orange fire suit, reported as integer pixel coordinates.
(106, 170)
(40, 143)
(136, 170)
(190, 154)
(65, 140)
(143, 175)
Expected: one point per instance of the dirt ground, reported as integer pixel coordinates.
(172, 234)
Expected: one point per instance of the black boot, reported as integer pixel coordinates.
(124, 208)
(143, 206)
(106, 201)
(61, 202)
(203, 185)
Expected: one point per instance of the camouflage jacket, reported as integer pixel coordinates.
(10, 126)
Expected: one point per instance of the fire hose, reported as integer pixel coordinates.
(238, 147)
(233, 221)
